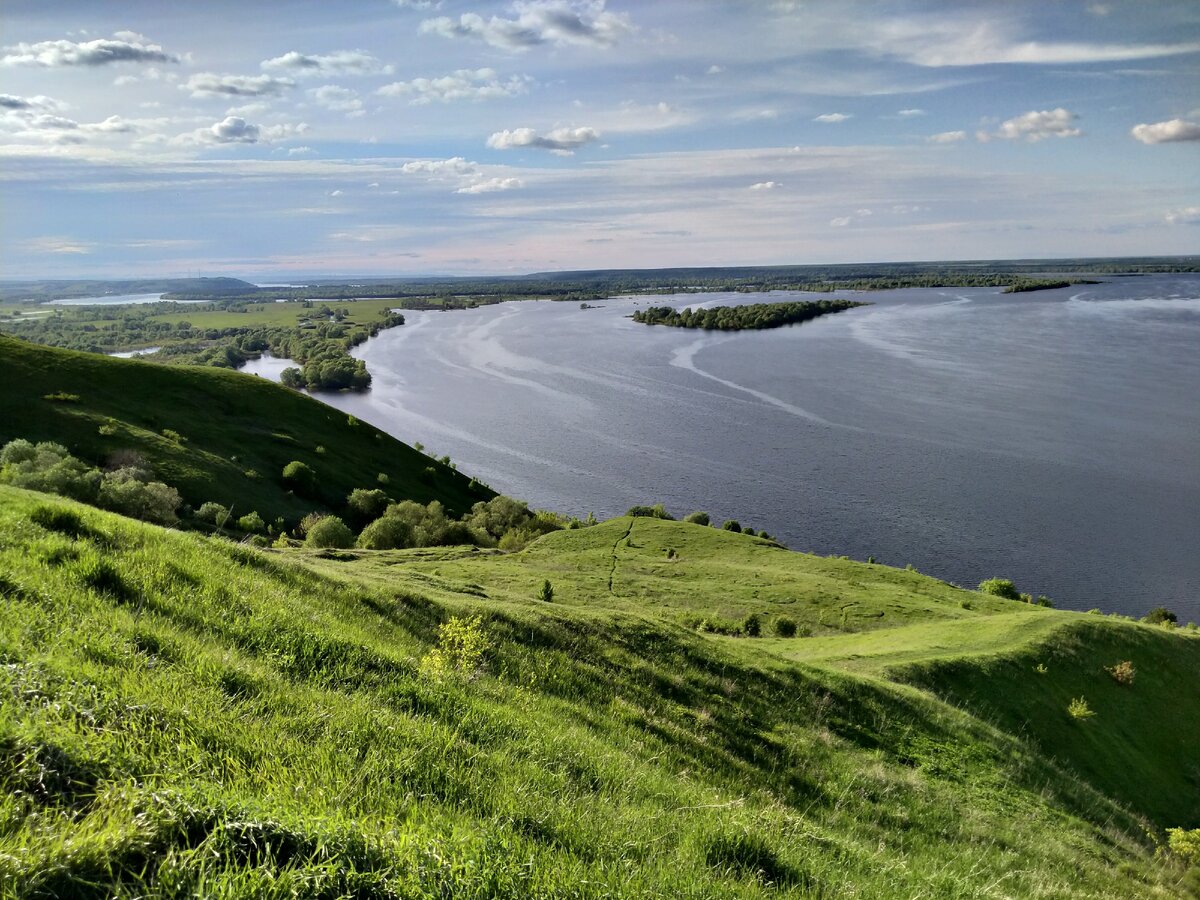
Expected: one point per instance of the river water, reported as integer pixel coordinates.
(1050, 437)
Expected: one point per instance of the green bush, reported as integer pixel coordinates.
(124, 492)
(366, 505)
(1185, 844)
(546, 594)
(461, 649)
(752, 625)
(213, 513)
(49, 468)
(657, 511)
(1159, 615)
(785, 627)
(732, 525)
(1000, 587)
(300, 478)
(330, 532)
(386, 533)
(251, 523)
(697, 518)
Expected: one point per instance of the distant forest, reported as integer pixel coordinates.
(752, 316)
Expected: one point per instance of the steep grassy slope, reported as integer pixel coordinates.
(239, 431)
(184, 716)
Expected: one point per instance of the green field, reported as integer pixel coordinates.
(185, 716)
(238, 432)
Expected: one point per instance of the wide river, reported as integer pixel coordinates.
(1050, 437)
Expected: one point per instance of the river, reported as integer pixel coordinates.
(1050, 437)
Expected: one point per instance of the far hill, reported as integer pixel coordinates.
(42, 291)
(235, 432)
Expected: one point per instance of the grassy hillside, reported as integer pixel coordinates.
(185, 716)
(238, 431)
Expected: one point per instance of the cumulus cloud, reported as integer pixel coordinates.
(1167, 132)
(236, 130)
(1189, 215)
(462, 84)
(559, 23)
(342, 62)
(832, 118)
(338, 99)
(765, 185)
(490, 185)
(1036, 125)
(562, 140)
(947, 137)
(113, 125)
(124, 46)
(208, 84)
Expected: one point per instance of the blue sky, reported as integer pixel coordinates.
(465, 137)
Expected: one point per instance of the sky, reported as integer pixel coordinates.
(464, 137)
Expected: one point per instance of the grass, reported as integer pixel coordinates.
(184, 716)
(210, 433)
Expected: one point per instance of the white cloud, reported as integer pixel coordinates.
(236, 130)
(841, 221)
(301, 151)
(560, 139)
(490, 185)
(113, 125)
(1099, 9)
(1037, 125)
(341, 62)
(969, 40)
(1167, 132)
(456, 165)
(765, 185)
(338, 99)
(124, 46)
(909, 113)
(463, 84)
(336, 193)
(559, 23)
(57, 245)
(714, 69)
(833, 118)
(1189, 215)
(418, 4)
(947, 137)
(208, 84)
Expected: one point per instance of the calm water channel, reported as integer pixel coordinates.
(1050, 437)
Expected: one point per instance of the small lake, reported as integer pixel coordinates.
(1049, 437)
(116, 300)
(133, 354)
(267, 366)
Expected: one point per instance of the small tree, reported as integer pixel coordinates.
(386, 533)
(365, 505)
(460, 651)
(752, 625)
(251, 522)
(212, 513)
(330, 532)
(546, 594)
(732, 525)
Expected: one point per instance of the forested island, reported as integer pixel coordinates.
(750, 317)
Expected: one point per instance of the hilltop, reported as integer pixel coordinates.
(213, 434)
(189, 715)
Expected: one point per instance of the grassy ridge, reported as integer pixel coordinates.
(239, 431)
(188, 716)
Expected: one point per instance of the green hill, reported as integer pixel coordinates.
(183, 716)
(235, 432)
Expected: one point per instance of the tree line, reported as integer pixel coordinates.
(754, 316)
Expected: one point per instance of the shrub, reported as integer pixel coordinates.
(461, 648)
(252, 523)
(330, 532)
(546, 594)
(300, 478)
(785, 627)
(61, 397)
(365, 505)
(386, 533)
(1000, 587)
(732, 525)
(657, 511)
(1123, 672)
(1079, 709)
(305, 525)
(1185, 844)
(1159, 615)
(697, 518)
(125, 492)
(752, 625)
(172, 435)
(213, 513)
(49, 468)
(516, 539)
